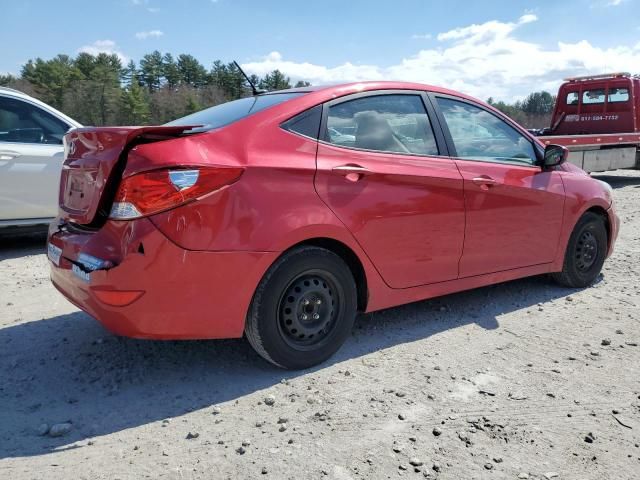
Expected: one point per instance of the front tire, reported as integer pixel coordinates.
(303, 309)
(585, 253)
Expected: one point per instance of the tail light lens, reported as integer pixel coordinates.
(159, 190)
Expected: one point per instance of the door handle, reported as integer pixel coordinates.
(353, 173)
(8, 155)
(484, 182)
(344, 169)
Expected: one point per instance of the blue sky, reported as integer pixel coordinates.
(503, 49)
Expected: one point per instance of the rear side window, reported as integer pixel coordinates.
(306, 123)
(388, 123)
(590, 97)
(226, 113)
(618, 95)
(22, 122)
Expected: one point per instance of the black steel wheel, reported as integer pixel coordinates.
(586, 252)
(307, 311)
(303, 309)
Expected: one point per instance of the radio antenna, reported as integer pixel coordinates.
(254, 90)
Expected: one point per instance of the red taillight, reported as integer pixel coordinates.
(159, 190)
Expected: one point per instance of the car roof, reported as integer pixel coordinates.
(11, 92)
(341, 89)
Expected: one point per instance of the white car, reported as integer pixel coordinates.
(31, 155)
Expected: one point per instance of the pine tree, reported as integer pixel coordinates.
(235, 84)
(51, 78)
(255, 79)
(152, 71)
(275, 80)
(191, 71)
(135, 106)
(171, 71)
(538, 103)
(130, 75)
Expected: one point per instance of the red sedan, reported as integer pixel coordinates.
(282, 215)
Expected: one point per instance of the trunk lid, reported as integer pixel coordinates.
(95, 159)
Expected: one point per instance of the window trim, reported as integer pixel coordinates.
(539, 151)
(605, 95)
(35, 105)
(441, 143)
(608, 95)
(566, 98)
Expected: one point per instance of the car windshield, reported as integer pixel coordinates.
(226, 113)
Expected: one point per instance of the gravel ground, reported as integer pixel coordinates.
(518, 380)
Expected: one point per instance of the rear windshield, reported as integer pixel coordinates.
(226, 113)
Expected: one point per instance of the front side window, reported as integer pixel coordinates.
(480, 135)
(395, 123)
(589, 97)
(618, 95)
(22, 122)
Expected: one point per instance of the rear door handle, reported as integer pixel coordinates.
(484, 181)
(352, 173)
(344, 169)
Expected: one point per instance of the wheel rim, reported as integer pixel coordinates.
(308, 310)
(586, 251)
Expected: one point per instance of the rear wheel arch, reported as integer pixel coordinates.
(303, 308)
(347, 254)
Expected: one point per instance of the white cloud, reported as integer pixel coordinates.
(149, 34)
(527, 18)
(487, 29)
(483, 60)
(421, 36)
(145, 4)
(607, 3)
(318, 74)
(104, 46)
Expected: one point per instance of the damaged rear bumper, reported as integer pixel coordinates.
(138, 283)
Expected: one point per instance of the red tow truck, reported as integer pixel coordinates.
(597, 118)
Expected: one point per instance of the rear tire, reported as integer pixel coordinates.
(303, 309)
(585, 253)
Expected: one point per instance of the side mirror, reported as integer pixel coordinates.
(554, 155)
